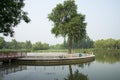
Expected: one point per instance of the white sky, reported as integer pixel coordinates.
(102, 17)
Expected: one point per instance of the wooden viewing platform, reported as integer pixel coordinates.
(55, 59)
(46, 58)
(8, 56)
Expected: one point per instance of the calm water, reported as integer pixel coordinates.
(105, 67)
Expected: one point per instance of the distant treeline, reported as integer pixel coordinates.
(107, 44)
(86, 43)
(15, 45)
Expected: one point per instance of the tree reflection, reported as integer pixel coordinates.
(8, 69)
(84, 64)
(108, 56)
(76, 75)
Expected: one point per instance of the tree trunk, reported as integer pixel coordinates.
(69, 44)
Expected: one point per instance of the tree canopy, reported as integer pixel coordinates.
(68, 22)
(11, 14)
(107, 44)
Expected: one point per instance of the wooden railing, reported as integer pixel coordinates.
(11, 55)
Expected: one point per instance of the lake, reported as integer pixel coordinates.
(106, 66)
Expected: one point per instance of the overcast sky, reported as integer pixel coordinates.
(102, 17)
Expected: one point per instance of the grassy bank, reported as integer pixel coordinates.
(98, 51)
(12, 50)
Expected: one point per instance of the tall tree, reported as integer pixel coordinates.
(67, 22)
(11, 14)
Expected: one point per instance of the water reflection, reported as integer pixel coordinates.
(83, 65)
(10, 68)
(33, 72)
(76, 75)
(107, 56)
(95, 70)
(85, 71)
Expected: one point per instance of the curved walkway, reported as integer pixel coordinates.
(55, 59)
(55, 56)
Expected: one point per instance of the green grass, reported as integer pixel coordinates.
(50, 50)
(63, 50)
(12, 50)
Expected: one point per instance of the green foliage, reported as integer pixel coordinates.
(11, 50)
(14, 45)
(85, 43)
(18, 45)
(40, 46)
(67, 22)
(28, 45)
(2, 42)
(25, 46)
(107, 44)
(11, 14)
(117, 44)
(57, 46)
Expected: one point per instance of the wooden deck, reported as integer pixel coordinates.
(46, 59)
(11, 55)
(56, 60)
(55, 57)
